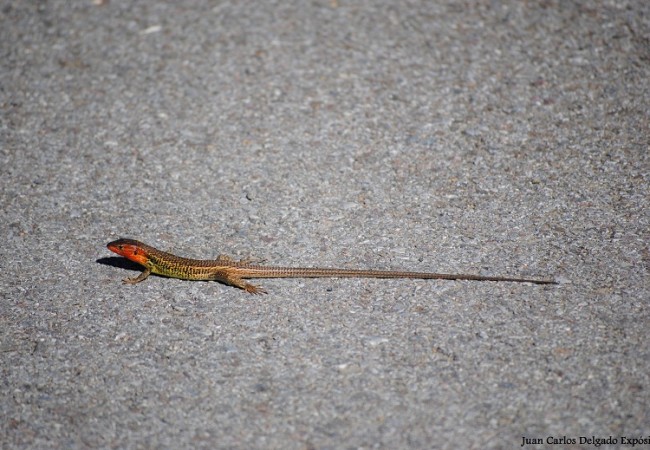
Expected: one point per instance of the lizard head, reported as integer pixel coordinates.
(131, 249)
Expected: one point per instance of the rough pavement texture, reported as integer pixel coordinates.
(505, 138)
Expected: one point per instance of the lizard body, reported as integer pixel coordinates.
(231, 272)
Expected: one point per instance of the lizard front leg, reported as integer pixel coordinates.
(139, 278)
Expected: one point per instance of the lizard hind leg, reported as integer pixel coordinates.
(256, 290)
(236, 281)
(248, 287)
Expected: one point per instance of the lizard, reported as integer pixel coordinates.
(228, 271)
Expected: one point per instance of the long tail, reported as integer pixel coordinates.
(253, 271)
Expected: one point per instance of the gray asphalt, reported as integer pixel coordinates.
(495, 138)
